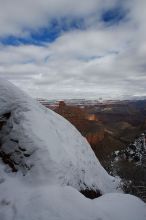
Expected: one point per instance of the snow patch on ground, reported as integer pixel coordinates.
(20, 201)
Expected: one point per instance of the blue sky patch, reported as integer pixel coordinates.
(114, 15)
(45, 34)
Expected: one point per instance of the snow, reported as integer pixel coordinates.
(118, 206)
(19, 201)
(53, 162)
(53, 151)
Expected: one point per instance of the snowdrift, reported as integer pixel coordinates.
(46, 148)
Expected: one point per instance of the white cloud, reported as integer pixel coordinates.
(18, 15)
(100, 60)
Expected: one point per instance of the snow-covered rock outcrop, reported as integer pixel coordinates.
(46, 153)
(46, 148)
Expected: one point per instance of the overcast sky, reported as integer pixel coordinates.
(74, 48)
